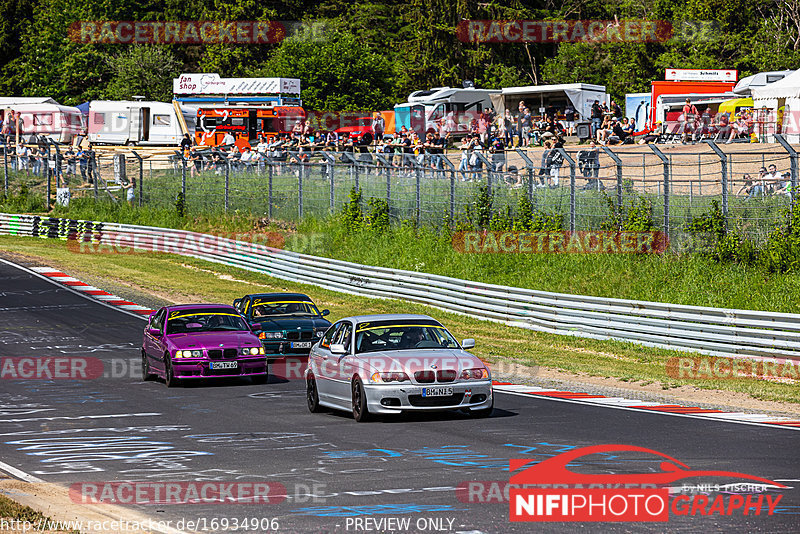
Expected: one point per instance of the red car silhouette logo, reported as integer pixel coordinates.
(554, 470)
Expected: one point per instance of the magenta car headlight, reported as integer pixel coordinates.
(251, 351)
(475, 374)
(389, 377)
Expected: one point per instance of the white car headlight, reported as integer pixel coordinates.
(271, 335)
(189, 354)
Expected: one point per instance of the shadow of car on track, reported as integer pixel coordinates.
(421, 417)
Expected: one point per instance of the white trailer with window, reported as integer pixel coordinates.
(58, 123)
(121, 122)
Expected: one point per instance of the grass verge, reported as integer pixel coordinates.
(12, 510)
(688, 279)
(185, 280)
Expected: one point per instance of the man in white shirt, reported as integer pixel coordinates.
(262, 146)
(228, 139)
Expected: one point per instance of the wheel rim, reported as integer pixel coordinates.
(357, 398)
(311, 393)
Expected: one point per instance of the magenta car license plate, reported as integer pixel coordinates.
(223, 365)
(437, 392)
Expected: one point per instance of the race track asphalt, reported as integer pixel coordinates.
(336, 473)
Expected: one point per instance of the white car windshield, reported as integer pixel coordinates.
(399, 335)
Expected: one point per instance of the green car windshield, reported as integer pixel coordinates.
(263, 308)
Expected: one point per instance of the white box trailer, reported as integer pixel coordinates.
(124, 122)
(446, 109)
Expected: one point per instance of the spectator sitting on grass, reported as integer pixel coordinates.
(751, 188)
(784, 185)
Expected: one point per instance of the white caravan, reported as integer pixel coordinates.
(124, 122)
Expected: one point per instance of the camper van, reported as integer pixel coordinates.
(122, 122)
(446, 109)
(60, 124)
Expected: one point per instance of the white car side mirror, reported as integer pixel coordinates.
(468, 344)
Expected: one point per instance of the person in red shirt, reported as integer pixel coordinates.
(690, 115)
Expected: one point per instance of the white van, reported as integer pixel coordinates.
(125, 122)
(443, 108)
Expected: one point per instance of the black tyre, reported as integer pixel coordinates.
(169, 376)
(312, 395)
(146, 374)
(482, 413)
(359, 398)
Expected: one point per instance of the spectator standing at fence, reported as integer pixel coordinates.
(24, 156)
(463, 164)
(186, 143)
(69, 157)
(83, 162)
(378, 126)
(195, 161)
(498, 151)
(554, 161)
(508, 123)
(525, 129)
(597, 117)
(129, 186)
(569, 119)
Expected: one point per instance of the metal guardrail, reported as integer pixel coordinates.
(716, 331)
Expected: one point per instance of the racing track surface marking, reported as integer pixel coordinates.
(620, 403)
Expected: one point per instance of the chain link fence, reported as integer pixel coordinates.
(582, 188)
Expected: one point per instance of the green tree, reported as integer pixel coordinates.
(336, 70)
(145, 71)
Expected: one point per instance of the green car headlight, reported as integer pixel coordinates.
(271, 335)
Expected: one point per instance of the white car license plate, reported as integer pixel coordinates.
(437, 392)
(301, 344)
(223, 365)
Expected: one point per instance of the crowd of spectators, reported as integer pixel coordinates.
(768, 182)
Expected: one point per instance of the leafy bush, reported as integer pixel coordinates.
(378, 216)
(781, 253)
(352, 216)
(635, 216)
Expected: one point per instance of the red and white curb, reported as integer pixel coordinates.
(647, 406)
(504, 387)
(94, 292)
